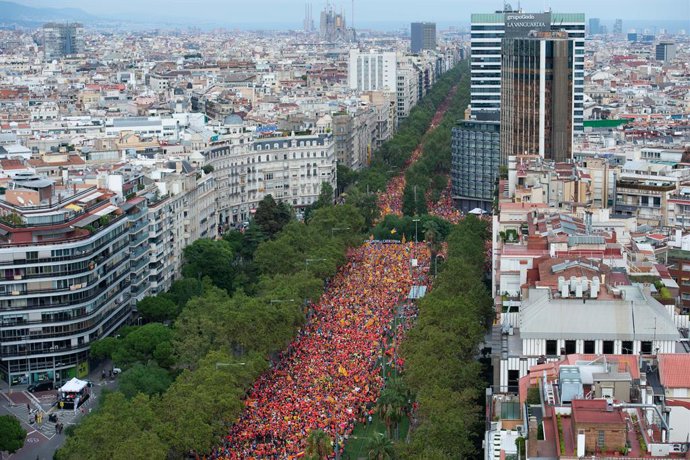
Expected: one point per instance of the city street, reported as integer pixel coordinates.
(42, 440)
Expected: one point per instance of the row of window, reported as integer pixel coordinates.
(608, 347)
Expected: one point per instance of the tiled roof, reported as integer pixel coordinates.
(674, 370)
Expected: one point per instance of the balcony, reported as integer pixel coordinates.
(634, 185)
(80, 302)
(83, 255)
(88, 323)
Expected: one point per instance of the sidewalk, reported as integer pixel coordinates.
(42, 440)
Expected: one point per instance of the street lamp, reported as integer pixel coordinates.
(338, 229)
(415, 229)
(436, 263)
(218, 365)
(308, 261)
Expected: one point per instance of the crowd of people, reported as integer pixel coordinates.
(329, 377)
(390, 202)
(444, 206)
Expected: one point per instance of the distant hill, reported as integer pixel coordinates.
(15, 13)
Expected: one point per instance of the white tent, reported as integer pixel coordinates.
(74, 385)
(477, 211)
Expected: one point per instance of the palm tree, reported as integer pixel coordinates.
(318, 445)
(392, 404)
(380, 447)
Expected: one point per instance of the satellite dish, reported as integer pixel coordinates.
(21, 200)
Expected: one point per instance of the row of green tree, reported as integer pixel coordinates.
(240, 302)
(440, 352)
(430, 172)
(391, 158)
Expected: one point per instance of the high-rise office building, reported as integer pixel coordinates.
(422, 36)
(475, 159)
(537, 96)
(373, 71)
(665, 51)
(487, 32)
(594, 26)
(61, 40)
(618, 27)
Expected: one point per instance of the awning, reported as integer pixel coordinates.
(74, 386)
(90, 197)
(74, 207)
(87, 221)
(106, 211)
(417, 292)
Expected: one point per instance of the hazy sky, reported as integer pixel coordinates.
(366, 11)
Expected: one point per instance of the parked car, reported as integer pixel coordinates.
(41, 386)
(117, 370)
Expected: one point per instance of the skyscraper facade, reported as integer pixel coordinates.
(487, 32)
(537, 96)
(594, 26)
(618, 27)
(476, 156)
(422, 36)
(61, 40)
(665, 51)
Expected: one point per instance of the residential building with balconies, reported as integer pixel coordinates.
(64, 256)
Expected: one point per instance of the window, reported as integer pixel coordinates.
(589, 347)
(646, 347)
(551, 347)
(608, 347)
(513, 378)
(570, 347)
(600, 440)
(627, 347)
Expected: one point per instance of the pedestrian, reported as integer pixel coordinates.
(103, 375)
(62, 405)
(57, 428)
(28, 407)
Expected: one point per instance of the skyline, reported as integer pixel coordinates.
(272, 13)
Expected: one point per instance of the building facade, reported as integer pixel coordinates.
(60, 40)
(665, 51)
(66, 281)
(537, 96)
(373, 71)
(487, 32)
(475, 156)
(291, 168)
(422, 36)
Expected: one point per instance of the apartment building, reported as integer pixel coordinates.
(65, 258)
(291, 168)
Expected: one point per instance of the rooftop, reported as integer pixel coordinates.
(674, 370)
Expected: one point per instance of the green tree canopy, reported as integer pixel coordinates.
(103, 348)
(12, 435)
(143, 344)
(212, 258)
(271, 217)
(120, 429)
(380, 447)
(157, 308)
(318, 445)
(149, 379)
